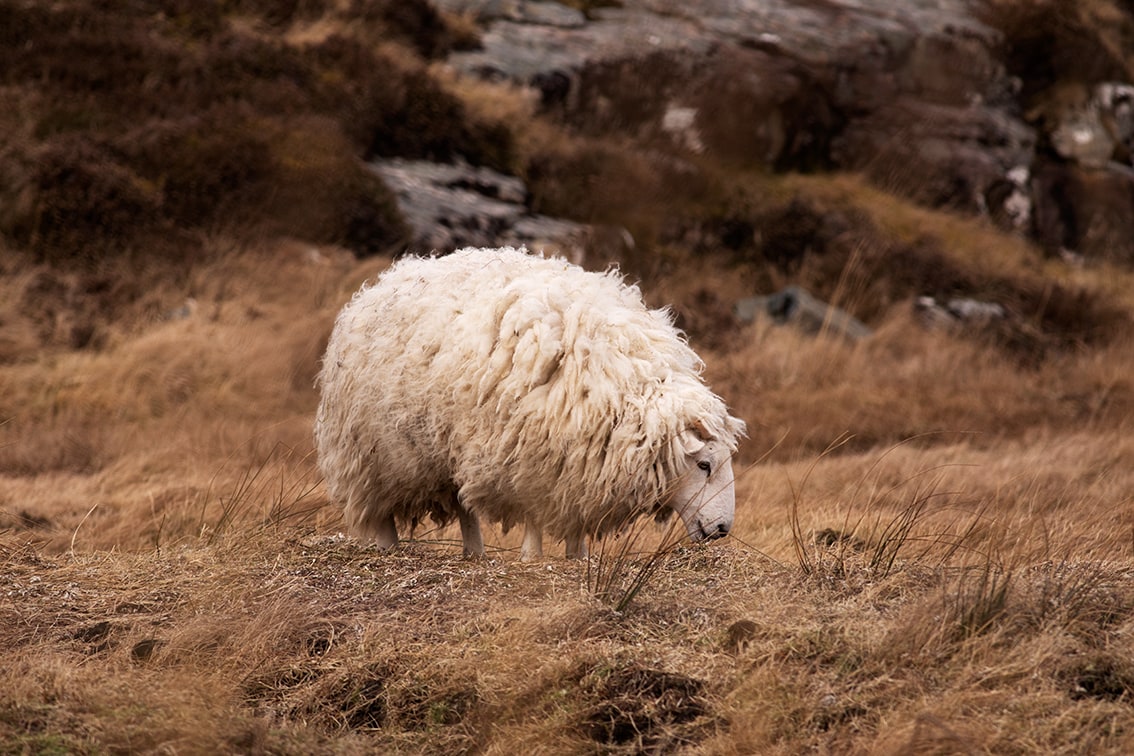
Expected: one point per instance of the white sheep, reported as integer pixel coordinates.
(492, 383)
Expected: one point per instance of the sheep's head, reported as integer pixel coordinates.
(705, 496)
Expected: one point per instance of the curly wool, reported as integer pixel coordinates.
(528, 388)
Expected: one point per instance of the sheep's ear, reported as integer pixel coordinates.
(690, 442)
(699, 428)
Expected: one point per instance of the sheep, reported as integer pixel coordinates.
(495, 384)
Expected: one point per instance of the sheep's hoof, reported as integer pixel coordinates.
(385, 535)
(532, 547)
(576, 547)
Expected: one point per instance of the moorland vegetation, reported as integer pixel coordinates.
(934, 536)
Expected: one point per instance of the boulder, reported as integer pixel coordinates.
(958, 313)
(449, 206)
(795, 306)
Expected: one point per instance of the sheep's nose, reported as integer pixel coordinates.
(712, 533)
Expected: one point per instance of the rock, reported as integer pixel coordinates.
(958, 313)
(1083, 195)
(1100, 130)
(449, 206)
(1008, 201)
(939, 155)
(186, 310)
(558, 59)
(545, 13)
(916, 95)
(772, 82)
(795, 306)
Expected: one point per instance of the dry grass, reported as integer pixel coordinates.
(932, 554)
(178, 407)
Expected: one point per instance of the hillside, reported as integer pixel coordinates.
(934, 537)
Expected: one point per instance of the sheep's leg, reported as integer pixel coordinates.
(385, 533)
(470, 533)
(532, 547)
(576, 547)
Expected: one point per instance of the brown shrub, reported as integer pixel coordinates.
(58, 45)
(225, 170)
(391, 106)
(204, 164)
(151, 124)
(85, 196)
(319, 191)
(612, 183)
(274, 12)
(1053, 40)
(414, 22)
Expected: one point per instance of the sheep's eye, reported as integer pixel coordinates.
(704, 465)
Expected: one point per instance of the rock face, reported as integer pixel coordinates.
(844, 84)
(914, 94)
(453, 206)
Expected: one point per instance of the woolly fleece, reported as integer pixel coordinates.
(525, 388)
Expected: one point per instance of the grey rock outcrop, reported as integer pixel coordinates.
(859, 84)
(518, 11)
(449, 206)
(915, 95)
